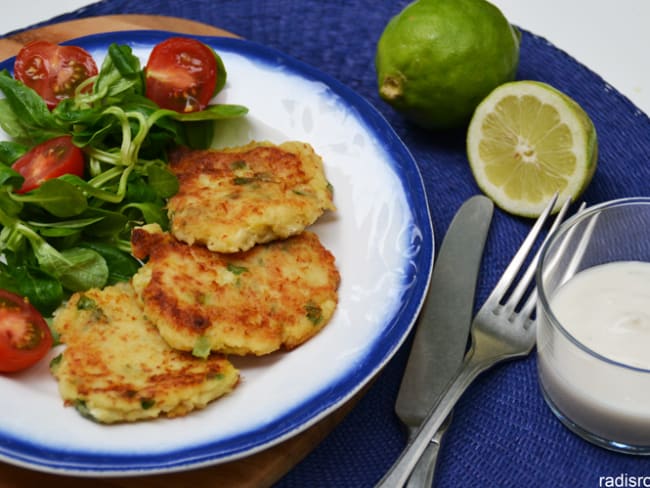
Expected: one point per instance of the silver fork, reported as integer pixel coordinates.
(502, 329)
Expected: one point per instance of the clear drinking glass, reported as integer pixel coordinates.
(593, 343)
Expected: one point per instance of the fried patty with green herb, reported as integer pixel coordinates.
(117, 368)
(231, 199)
(275, 295)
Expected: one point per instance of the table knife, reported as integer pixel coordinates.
(442, 331)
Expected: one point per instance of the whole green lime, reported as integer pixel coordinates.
(437, 59)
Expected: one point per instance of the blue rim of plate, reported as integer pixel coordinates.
(24, 453)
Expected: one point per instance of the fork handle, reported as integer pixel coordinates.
(422, 475)
(399, 473)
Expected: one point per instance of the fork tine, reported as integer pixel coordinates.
(528, 275)
(527, 308)
(570, 269)
(518, 260)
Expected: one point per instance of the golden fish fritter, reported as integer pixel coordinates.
(231, 199)
(117, 368)
(275, 295)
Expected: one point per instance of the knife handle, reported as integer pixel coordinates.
(422, 475)
(400, 471)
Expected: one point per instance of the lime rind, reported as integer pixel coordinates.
(527, 141)
(436, 60)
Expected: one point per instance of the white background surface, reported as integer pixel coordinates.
(611, 38)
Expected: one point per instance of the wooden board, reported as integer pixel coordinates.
(9, 46)
(259, 470)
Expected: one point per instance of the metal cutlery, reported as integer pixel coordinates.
(442, 332)
(502, 329)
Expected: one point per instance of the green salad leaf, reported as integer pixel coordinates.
(71, 234)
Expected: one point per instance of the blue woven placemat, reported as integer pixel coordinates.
(503, 434)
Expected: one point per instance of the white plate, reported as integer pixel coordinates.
(381, 236)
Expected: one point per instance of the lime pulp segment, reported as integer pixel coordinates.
(526, 142)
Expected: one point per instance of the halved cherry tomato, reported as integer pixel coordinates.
(181, 74)
(50, 159)
(53, 71)
(24, 335)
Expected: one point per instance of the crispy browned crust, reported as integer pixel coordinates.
(231, 199)
(254, 302)
(117, 368)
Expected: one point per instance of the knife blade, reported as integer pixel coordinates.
(443, 326)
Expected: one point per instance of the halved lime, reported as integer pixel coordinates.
(527, 141)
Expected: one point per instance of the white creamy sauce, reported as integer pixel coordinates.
(607, 308)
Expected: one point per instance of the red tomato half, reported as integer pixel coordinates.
(181, 74)
(24, 335)
(53, 71)
(50, 159)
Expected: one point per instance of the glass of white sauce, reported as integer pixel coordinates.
(593, 324)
